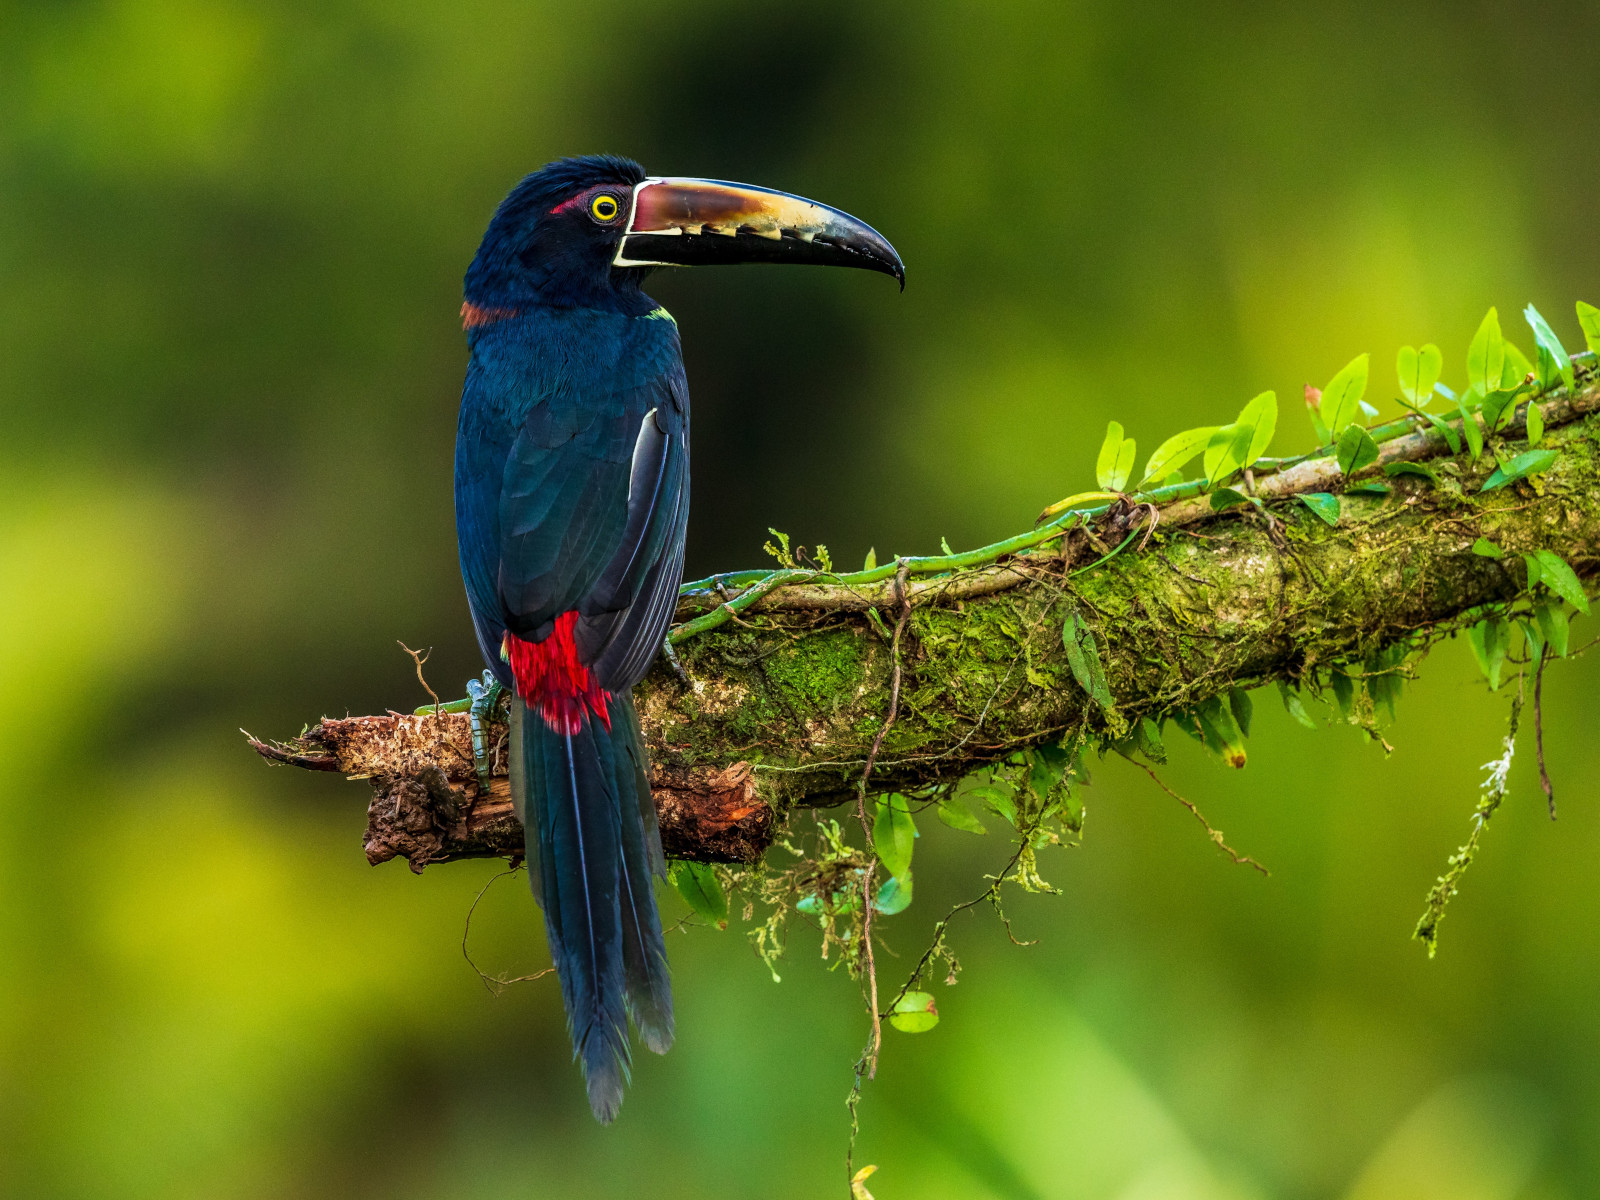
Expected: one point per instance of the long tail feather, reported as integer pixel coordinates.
(591, 857)
(644, 952)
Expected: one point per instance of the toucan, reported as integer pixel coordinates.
(572, 502)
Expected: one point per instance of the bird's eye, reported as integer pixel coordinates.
(604, 207)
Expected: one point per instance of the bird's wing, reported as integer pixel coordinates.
(624, 618)
(592, 508)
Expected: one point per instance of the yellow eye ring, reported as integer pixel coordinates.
(604, 207)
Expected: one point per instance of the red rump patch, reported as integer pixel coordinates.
(472, 316)
(550, 677)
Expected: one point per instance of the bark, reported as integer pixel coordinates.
(779, 705)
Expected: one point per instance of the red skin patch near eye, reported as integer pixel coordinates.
(472, 316)
(550, 678)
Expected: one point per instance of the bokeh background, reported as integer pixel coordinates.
(231, 240)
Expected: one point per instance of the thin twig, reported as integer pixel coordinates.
(1538, 730)
(494, 984)
(420, 657)
(1244, 860)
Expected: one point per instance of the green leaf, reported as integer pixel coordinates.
(1469, 427)
(1490, 639)
(1498, 407)
(1226, 498)
(1383, 680)
(1589, 319)
(1356, 449)
(1370, 488)
(998, 801)
(1419, 372)
(1529, 462)
(1553, 624)
(1116, 459)
(1484, 548)
(1174, 453)
(1514, 375)
(698, 884)
(1147, 737)
(1421, 470)
(1556, 575)
(1261, 417)
(1226, 452)
(1550, 345)
(914, 1012)
(1535, 424)
(1323, 504)
(1486, 356)
(1243, 709)
(871, 559)
(1533, 571)
(1295, 707)
(1534, 637)
(894, 833)
(1221, 729)
(1083, 656)
(1344, 692)
(1341, 399)
(959, 816)
(894, 895)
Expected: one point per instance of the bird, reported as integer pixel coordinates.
(572, 504)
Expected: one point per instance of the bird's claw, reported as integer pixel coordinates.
(485, 695)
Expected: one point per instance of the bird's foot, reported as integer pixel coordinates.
(485, 695)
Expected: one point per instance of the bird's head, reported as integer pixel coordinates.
(585, 231)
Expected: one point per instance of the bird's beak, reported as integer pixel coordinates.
(698, 222)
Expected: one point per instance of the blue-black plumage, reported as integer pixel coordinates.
(572, 499)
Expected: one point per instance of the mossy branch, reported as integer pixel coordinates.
(780, 683)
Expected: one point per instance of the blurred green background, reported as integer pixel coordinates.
(231, 243)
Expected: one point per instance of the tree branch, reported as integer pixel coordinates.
(782, 704)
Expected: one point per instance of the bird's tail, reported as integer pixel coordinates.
(580, 787)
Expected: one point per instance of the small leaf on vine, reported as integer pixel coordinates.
(1533, 571)
(1115, 463)
(1419, 372)
(1341, 398)
(1323, 504)
(1552, 620)
(1177, 450)
(1528, 463)
(894, 895)
(698, 884)
(1420, 470)
(1490, 639)
(958, 816)
(1551, 349)
(1356, 449)
(1486, 356)
(1556, 575)
(1147, 737)
(1589, 319)
(1535, 424)
(915, 1012)
(894, 834)
(1294, 705)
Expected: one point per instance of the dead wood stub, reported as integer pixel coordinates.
(427, 805)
